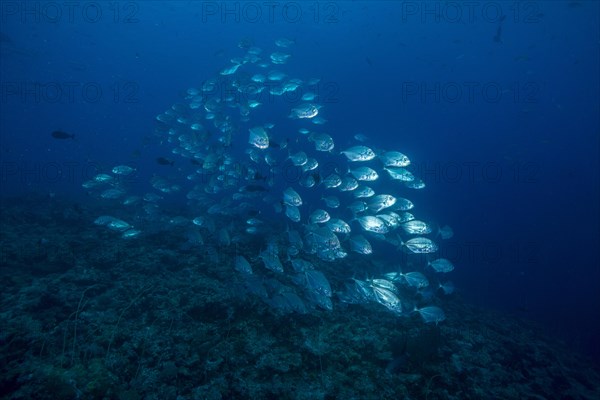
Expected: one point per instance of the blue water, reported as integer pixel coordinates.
(500, 114)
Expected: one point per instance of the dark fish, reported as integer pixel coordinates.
(62, 135)
(194, 161)
(279, 145)
(317, 178)
(368, 60)
(245, 43)
(164, 161)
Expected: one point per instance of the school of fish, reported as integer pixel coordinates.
(270, 196)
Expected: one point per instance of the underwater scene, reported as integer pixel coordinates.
(299, 200)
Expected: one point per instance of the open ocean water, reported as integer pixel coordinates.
(299, 200)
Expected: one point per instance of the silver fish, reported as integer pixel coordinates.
(381, 201)
(360, 245)
(279, 58)
(123, 170)
(388, 299)
(364, 174)
(292, 212)
(372, 224)
(319, 216)
(431, 314)
(415, 279)
(400, 174)
(332, 181)
(338, 226)
(421, 245)
(363, 192)
(291, 197)
(322, 141)
(441, 265)
(242, 265)
(270, 259)
(298, 159)
(130, 233)
(416, 227)
(359, 153)
(259, 137)
(118, 225)
(348, 184)
(306, 110)
(415, 184)
(331, 201)
(394, 159)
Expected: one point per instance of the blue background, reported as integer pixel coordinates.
(512, 165)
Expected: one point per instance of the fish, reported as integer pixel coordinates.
(315, 281)
(331, 181)
(415, 279)
(441, 265)
(371, 223)
(431, 314)
(298, 159)
(113, 193)
(361, 137)
(301, 265)
(394, 159)
(388, 299)
(123, 170)
(165, 161)
(338, 226)
(279, 57)
(271, 261)
(360, 245)
(421, 245)
(446, 232)
(130, 233)
(399, 173)
(62, 135)
(416, 227)
(319, 216)
(359, 153)
(258, 137)
(292, 212)
(291, 197)
(242, 265)
(305, 110)
(363, 192)
(365, 174)
(322, 141)
(348, 184)
(380, 202)
(331, 201)
(284, 42)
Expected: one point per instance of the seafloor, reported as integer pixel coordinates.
(87, 315)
